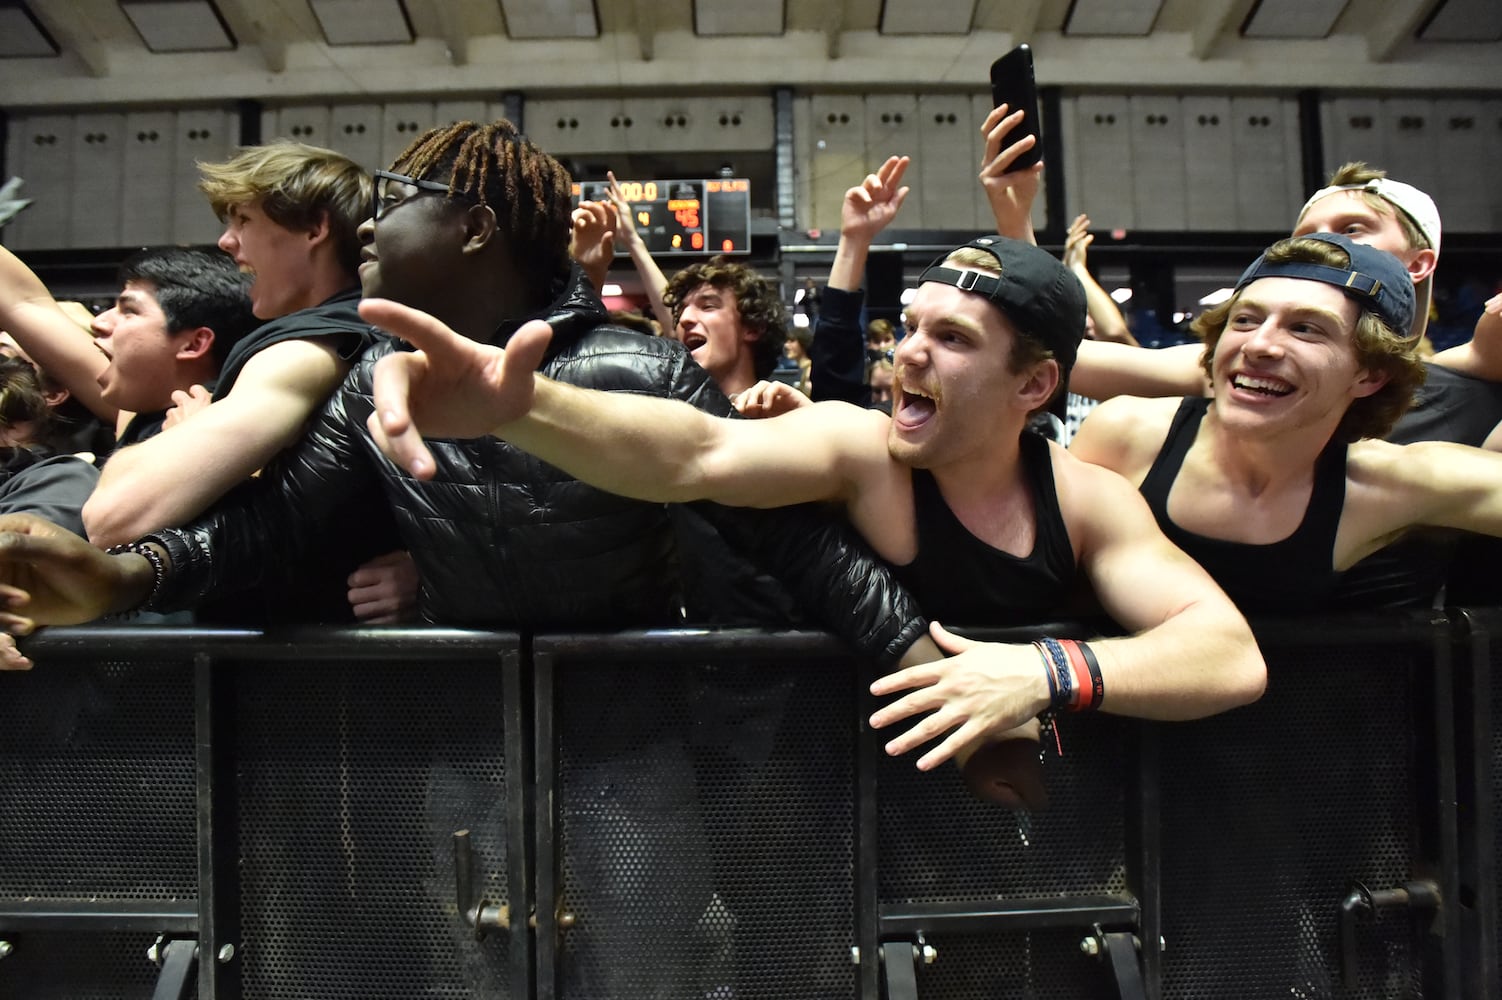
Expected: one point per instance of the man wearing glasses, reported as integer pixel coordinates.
(477, 232)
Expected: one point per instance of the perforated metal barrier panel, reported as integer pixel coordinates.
(352, 780)
(1271, 811)
(691, 825)
(97, 783)
(707, 822)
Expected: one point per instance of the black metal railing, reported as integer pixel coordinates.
(702, 813)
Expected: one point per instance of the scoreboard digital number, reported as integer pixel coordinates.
(684, 217)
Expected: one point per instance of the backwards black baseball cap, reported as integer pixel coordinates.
(1037, 293)
(1376, 279)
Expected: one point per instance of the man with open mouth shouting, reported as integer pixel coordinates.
(987, 522)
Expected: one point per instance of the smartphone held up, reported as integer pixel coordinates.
(1012, 84)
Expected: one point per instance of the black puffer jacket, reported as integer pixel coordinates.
(503, 540)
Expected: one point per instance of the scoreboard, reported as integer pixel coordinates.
(684, 217)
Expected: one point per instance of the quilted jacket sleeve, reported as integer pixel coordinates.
(818, 557)
(267, 523)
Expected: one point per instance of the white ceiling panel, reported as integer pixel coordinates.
(178, 25)
(1465, 21)
(362, 22)
(927, 17)
(22, 36)
(1293, 18)
(739, 17)
(1112, 17)
(551, 18)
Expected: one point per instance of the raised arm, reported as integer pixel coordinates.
(838, 351)
(1010, 193)
(1110, 325)
(636, 446)
(592, 241)
(58, 345)
(652, 280)
(170, 478)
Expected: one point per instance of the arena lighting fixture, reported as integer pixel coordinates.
(908, 295)
(551, 18)
(800, 320)
(611, 288)
(1464, 21)
(179, 25)
(927, 17)
(1112, 17)
(1293, 18)
(363, 22)
(1216, 297)
(1121, 296)
(21, 34)
(739, 17)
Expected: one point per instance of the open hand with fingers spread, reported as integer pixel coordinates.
(1077, 241)
(450, 387)
(979, 692)
(871, 205)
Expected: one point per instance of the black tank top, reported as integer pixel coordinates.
(959, 579)
(1295, 575)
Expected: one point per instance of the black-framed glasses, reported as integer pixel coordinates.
(390, 190)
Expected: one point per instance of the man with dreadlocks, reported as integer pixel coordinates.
(472, 224)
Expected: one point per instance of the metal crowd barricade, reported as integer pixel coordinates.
(396, 813)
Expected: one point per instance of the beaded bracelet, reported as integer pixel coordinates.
(158, 569)
(1074, 680)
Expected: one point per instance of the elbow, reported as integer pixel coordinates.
(1249, 678)
(107, 523)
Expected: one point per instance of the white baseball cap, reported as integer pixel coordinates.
(1420, 210)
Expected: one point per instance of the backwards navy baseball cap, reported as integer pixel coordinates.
(1376, 279)
(1037, 293)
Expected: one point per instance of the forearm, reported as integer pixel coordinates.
(58, 345)
(1105, 370)
(148, 486)
(632, 445)
(1110, 325)
(1199, 662)
(838, 351)
(848, 271)
(654, 283)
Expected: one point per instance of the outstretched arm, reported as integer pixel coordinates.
(170, 478)
(1481, 356)
(1103, 370)
(58, 345)
(636, 446)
